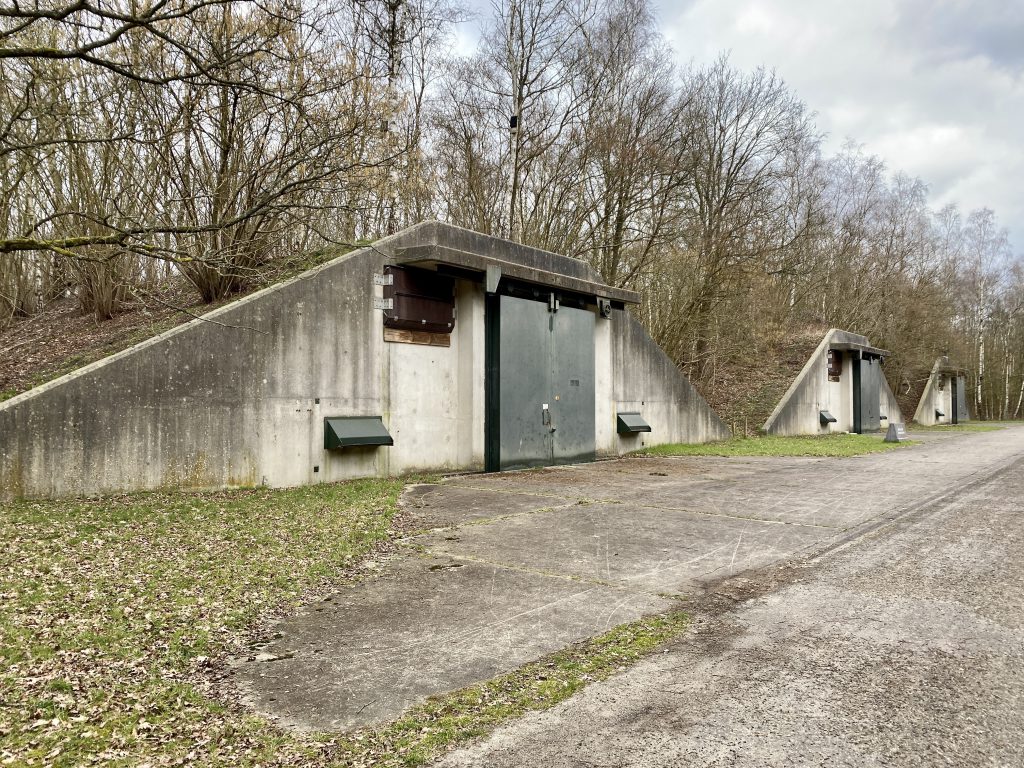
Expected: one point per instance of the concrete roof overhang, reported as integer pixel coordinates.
(435, 257)
(863, 349)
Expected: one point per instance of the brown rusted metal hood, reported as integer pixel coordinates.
(439, 256)
(864, 349)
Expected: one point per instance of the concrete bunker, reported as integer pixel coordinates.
(841, 388)
(436, 348)
(944, 400)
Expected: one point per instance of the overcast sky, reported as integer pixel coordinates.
(934, 87)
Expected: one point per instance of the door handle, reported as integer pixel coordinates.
(545, 417)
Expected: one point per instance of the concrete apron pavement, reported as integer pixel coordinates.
(513, 566)
(902, 646)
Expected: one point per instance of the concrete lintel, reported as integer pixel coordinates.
(864, 349)
(431, 256)
(945, 366)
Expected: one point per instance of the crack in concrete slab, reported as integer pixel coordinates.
(617, 585)
(482, 521)
(753, 518)
(506, 491)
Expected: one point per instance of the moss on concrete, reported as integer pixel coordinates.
(442, 722)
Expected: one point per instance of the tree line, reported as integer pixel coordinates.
(211, 141)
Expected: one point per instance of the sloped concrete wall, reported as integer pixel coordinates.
(888, 405)
(646, 380)
(232, 399)
(937, 395)
(811, 392)
(238, 397)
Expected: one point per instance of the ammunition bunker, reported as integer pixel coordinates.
(944, 400)
(841, 388)
(435, 348)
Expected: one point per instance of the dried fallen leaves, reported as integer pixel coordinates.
(114, 609)
(115, 613)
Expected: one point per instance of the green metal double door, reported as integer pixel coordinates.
(540, 383)
(958, 395)
(867, 383)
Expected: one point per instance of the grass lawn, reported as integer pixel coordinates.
(112, 609)
(972, 426)
(770, 445)
(117, 613)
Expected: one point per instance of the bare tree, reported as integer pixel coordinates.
(505, 111)
(634, 158)
(215, 136)
(742, 128)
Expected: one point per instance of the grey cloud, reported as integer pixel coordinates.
(955, 29)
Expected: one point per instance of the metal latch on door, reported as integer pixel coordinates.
(545, 417)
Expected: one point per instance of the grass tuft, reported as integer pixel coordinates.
(771, 445)
(430, 729)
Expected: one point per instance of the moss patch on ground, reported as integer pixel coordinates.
(770, 445)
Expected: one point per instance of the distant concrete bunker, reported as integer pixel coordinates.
(944, 400)
(841, 388)
(434, 349)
